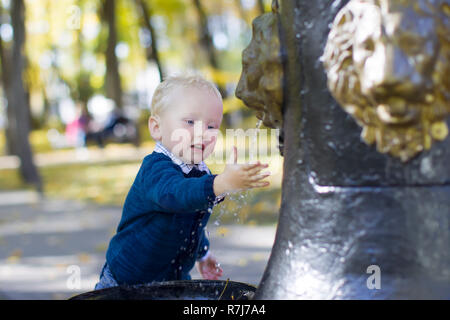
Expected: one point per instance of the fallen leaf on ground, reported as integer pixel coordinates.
(15, 256)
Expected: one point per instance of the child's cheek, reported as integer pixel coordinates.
(209, 149)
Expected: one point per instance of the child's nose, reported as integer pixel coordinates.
(198, 131)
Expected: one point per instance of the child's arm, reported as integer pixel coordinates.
(167, 187)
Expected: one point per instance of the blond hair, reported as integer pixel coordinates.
(161, 96)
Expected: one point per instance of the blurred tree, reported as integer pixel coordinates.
(112, 78)
(80, 87)
(19, 121)
(204, 34)
(5, 57)
(206, 42)
(152, 50)
(241, 10)
(261, 6)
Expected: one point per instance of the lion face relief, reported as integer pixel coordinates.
(260, 84)
(387, 63)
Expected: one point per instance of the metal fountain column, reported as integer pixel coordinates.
(365, 100)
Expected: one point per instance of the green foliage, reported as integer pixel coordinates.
(108, 184)
(65, 48)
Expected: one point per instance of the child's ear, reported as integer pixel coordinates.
(154, 127)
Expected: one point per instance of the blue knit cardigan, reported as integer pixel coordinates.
(161, 233)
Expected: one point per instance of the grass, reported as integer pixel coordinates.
(108, 184)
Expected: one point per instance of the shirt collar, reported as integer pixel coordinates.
(185, 167)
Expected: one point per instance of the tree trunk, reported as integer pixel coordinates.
(5, 57)
(112, 80)
(206, 41)
(152, 51)
(261, 6)
(19, 123)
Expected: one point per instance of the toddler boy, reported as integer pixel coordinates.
(162, 230)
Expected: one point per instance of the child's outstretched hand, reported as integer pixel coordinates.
(210, 268)
(237, 177)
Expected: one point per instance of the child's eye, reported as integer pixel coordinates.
(189, 121)
(210, 127)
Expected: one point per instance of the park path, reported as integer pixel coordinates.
(46, 243)
(82, 155)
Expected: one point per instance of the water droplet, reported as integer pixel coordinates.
(336, 4)
(297, 35)
(308, 24)
(173, 261)
(332, 145)
(327, 127)
(288, 252)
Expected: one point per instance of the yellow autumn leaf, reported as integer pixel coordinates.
(15, 256)
(84, 257)
(222, 231)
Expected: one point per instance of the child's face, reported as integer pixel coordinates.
(189, 126)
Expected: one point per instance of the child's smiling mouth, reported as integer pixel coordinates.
(198, 147)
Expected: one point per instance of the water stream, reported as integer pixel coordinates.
(240, 197)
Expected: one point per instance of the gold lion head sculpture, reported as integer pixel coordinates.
(260, 84)
(388, 66)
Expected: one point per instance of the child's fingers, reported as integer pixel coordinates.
(212, 273)
(249, 166)
(254, 166)
(253, 171)
(218, 271)
(260, 176)
(260, 184)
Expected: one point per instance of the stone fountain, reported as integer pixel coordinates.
(360, 91)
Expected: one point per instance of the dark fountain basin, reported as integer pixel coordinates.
(174, 290)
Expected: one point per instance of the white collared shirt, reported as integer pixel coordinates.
(185, 167)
